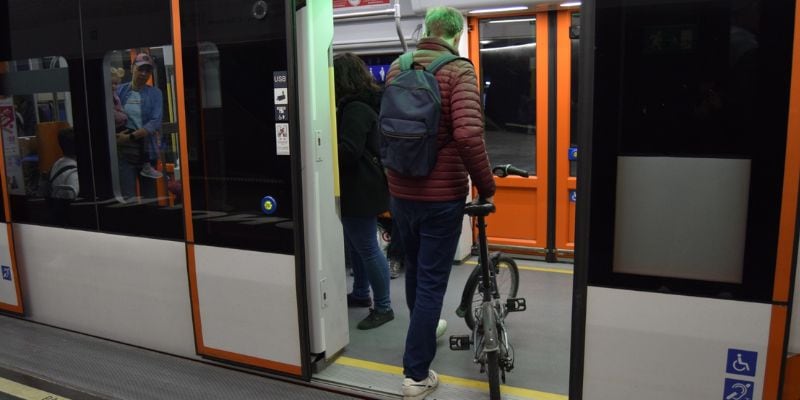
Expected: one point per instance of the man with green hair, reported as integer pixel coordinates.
(429, 210)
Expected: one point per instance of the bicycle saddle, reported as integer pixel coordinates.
(479, 209)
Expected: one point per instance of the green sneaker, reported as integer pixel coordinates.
(375, 319)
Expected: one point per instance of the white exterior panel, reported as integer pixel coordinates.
(655, 346)
(248, 303)
(125, 288)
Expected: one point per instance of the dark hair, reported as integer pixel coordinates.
(66, 139)
(351, 76)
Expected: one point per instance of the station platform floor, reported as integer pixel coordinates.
(39, 362)
(46, 363)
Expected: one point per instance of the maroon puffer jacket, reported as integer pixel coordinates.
(461, 146)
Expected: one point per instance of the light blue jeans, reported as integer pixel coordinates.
(370, 268)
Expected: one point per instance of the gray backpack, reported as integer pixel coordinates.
(409, 118)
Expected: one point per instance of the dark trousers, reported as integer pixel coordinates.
(429, 233)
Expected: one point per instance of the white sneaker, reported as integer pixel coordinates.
(413, 390)
(149, 172)
(441, 328)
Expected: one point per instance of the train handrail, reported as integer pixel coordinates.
(393, 11)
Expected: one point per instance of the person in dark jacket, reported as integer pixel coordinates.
(364, 192)
(429, 211)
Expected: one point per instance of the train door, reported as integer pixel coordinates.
(525, 64)
(245, 237)
(688, 221)
(176, 122)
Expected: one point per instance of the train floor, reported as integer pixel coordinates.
(540, 336)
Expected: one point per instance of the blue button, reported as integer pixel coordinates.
(269, 205)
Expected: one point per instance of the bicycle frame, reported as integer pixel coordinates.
(489, 314)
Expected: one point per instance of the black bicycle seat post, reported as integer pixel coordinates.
(483, 242)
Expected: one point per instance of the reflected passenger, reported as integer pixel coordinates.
(120, 118)
(138, 145)
(363, 184)
(63, 186)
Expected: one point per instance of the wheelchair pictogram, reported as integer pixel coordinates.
(739, 365)
(741, 362)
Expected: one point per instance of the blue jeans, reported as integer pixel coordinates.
(429, 232)
(369, 264)
(128, 174)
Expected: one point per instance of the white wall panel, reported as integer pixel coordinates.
(655, 346)
(248, 303)
(130, 289)
(324, 243)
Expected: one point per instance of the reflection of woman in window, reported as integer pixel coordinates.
(120, 118)
(137, 145)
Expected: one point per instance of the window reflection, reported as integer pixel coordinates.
(508, 69)
(143, 133)
(233, 146)
(38, 139)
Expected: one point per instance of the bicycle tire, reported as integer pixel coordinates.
(472, 293)
(493, 370)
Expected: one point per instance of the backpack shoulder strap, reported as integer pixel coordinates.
(61, 171)
(443, 60)
(406, 60)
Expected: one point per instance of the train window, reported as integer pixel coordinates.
(143, 174)
(685, 124)
(508, 69)
(45, 174)
(239, 141)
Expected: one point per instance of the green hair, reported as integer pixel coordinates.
(443, 22)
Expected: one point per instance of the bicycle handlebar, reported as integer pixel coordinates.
(505, 170)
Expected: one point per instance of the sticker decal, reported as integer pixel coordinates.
(282, 139)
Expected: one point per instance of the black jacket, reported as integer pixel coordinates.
(364, 192)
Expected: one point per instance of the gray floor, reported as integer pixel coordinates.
(103, 369)
(540, 335)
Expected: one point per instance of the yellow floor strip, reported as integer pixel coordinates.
(26, 392)
(451, 380)
(538, 269)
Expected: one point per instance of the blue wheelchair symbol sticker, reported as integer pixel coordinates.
(6, 273)
(738, 390)
(741, 362)
(573, 196)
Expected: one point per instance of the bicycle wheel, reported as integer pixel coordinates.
(506, 283)
(493, 369)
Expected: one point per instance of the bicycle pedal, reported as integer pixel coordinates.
(516, 304)
(459, 342)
